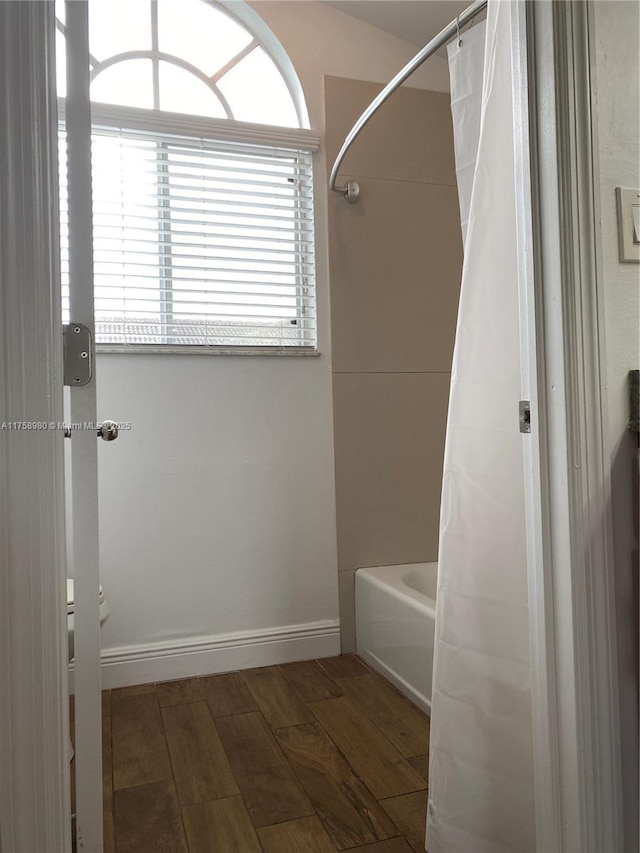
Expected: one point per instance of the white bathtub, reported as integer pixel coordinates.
(395, 622)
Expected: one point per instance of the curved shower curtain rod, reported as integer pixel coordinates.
(351, 190)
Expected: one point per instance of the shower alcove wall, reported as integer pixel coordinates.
(395, 265)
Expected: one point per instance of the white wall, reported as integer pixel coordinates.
(617, 44)
(217, 510)
(616, 27)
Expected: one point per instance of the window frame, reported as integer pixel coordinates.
(224, 130)
(220, 130)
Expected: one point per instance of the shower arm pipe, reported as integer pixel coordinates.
(351, 190)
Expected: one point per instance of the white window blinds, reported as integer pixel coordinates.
(199, 242)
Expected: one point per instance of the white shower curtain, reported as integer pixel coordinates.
(481, 764)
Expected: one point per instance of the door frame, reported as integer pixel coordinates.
(83, 538)
(35, 811)
(576, 705)
(575, 696)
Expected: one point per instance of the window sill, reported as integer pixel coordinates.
(151, 349)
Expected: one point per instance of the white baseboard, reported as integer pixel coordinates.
(207, 655)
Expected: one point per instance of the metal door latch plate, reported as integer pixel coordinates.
(525, 415)
(78, 360)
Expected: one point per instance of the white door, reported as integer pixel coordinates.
(84, 473)
(578, 784)
(541, 627)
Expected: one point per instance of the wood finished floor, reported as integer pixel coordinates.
(310, 757)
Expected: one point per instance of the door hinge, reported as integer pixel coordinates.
(77, 354)
(524, 409)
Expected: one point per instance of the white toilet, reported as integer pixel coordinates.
(104, 613)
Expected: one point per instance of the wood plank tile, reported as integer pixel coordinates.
(378, 763)
(405, 725)
(409, 813)
(267, 783)
(276, 697)
(310, 681)
(349, 812)
(106, 703)
(148, 820)
(392, 845)
(343, 666)
(421, 764)
(133, 690)
(227, 694)
(108, 829)
(107, 783)
(182, 692)
(200, 766)
(306, 835)
(140, 753)
(221, 826)
(107, 759)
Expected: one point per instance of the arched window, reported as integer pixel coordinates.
(202, 181)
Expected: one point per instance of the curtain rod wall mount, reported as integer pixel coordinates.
(351, 190)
